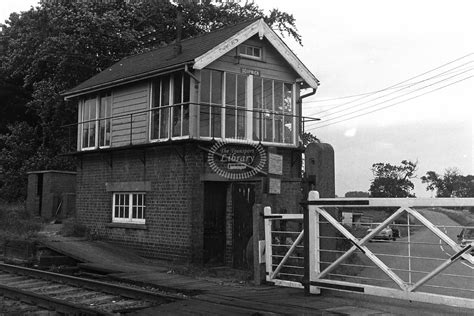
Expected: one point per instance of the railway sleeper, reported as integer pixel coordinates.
(104, 299)
(55, 288)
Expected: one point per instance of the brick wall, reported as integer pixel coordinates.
(174, 206)
(171, 205)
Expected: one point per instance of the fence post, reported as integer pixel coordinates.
(312, 244)
(267, 211)
(258, 244)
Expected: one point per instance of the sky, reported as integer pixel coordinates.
(408, 62)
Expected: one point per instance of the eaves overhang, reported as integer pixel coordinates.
(123, 81)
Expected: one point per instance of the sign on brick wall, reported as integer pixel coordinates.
(236, 161)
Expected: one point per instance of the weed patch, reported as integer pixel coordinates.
(17, 224)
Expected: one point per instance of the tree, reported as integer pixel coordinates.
(309, 138)
(451, 184)
(59, 44)
(393, 180)
(356, 194)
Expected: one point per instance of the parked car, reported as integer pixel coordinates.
(466, 236)
(386, 233)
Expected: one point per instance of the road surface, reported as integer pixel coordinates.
(427, 253)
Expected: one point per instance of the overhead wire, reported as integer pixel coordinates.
(390, 105)
(397, 85)
(396, 97)
(460, 71)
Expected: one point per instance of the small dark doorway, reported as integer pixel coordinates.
(243, 198)
(215, 194)
(39, 193)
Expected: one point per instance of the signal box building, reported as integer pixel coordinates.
(177, 144)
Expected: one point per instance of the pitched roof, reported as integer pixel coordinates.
(200, 51)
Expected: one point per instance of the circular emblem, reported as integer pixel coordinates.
(236, 161)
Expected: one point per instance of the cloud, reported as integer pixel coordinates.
(350, 132)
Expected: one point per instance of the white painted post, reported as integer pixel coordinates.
(267, 211)
(314, 242)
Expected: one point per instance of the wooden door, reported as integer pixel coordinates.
(214, 222)
(243, 198)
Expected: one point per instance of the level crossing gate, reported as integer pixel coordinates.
(421, 262)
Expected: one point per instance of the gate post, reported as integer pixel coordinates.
(312, 244)
(258, 244)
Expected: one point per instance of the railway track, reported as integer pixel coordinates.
(73, 295)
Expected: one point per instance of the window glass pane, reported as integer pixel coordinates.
(185, 108)
(92, 116)
(278, 95)
(268, 94)
(177, 88)
(216, 98)
(155, 114)
(186, 88)
(108, 127)
(241, 90)
(288, 98)
(230, 101)
(288, 129)
(241, 98)
(105, 107)
(177, 99)
(230, 113)
(205, 86)
(230, 87)
(216, 85)
(185, 120)
(256, 52)
(177, 121)
(268, 105)
(278, 107)
(257, 105)
(165, 112)
(85, 126)
(205, 98)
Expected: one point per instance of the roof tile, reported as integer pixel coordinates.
(141, 65)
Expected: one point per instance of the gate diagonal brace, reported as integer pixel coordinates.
(442, 267)
(288, 254)
(359, 244)
(440, 234)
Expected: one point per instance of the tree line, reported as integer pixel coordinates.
(57, 45)
(391, 180)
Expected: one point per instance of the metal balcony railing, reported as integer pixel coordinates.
(172, 122)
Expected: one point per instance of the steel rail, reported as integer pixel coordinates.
(48, 302)
(90, 284)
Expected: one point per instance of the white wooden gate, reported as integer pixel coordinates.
(284, 249)
(405, 268)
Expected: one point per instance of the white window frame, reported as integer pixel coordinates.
(106, 120)
(246, 47)
(129, 219)
(95, 121)
(249, 116)
(155, 98)
(89, 121)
